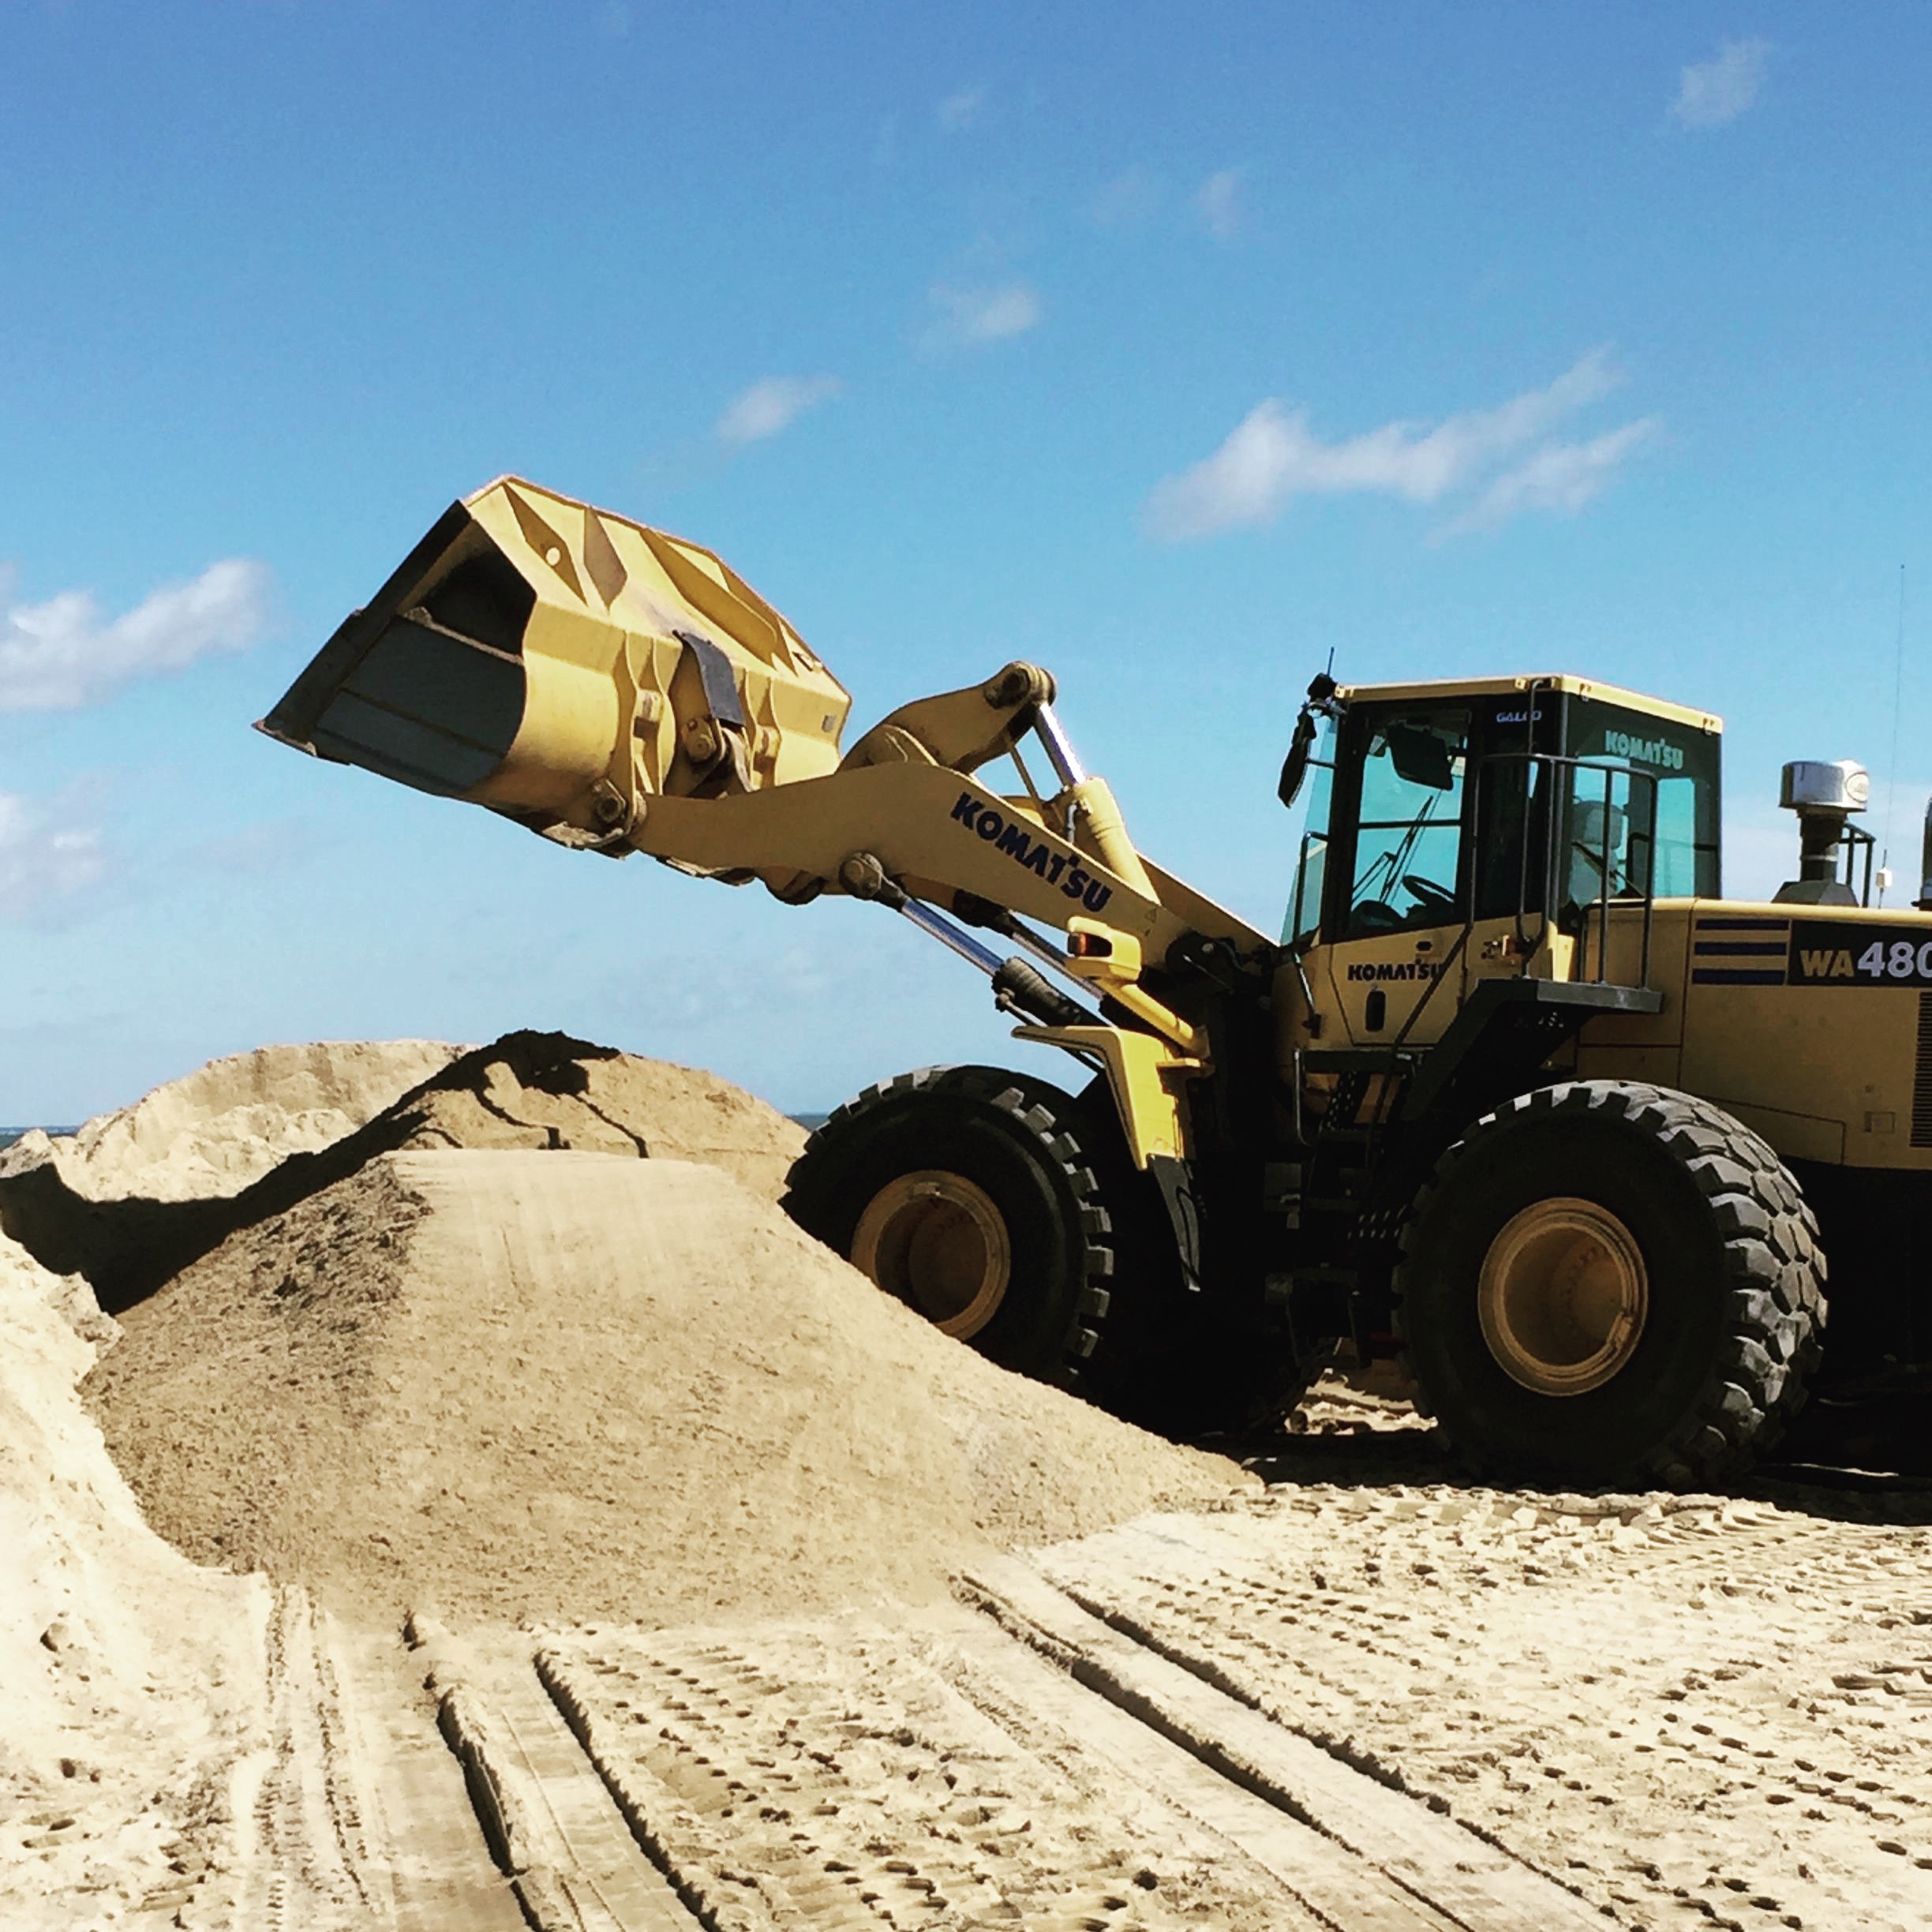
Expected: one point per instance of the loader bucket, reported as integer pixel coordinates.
(560, 664)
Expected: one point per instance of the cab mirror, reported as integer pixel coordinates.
(1420, 757)
(1294, 766)
(1322, 687)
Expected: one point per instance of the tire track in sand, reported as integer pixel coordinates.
(552, 1825)
(961, 1770)
(837, 1763)
(1667, 1702)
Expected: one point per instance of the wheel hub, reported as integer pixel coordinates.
(935, 1239)
(1562, 1296)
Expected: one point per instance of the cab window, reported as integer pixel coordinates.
(1643, 810)
(1409, 838)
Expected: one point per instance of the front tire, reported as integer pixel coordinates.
(1605, 1282)
(968, 1193)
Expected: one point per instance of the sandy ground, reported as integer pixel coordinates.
(1363, 1706)
(793, 1615)
(1666, 1702)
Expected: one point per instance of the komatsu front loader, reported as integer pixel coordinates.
(1517, 1096)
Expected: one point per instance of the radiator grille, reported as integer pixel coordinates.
(1922, 1077)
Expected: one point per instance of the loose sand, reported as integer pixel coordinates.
(223, 1127)
(131, 1682)
(227, 1123)
(130, 1222)
(495, 1372)
(548, 1091)
(519, 1384)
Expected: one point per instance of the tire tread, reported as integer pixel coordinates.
(1774, 1269)
(1047, 1118)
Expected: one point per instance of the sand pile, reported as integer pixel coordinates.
(227, 1123)
(546, 1090)
(571, 1385)
(132, 1684)
(146, 1194)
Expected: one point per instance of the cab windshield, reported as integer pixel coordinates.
(1409, 835)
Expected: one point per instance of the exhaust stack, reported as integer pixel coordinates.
(1824, 795)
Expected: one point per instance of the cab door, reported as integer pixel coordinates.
(1511, 935)
(1397, 874)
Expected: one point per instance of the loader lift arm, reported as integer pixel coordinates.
(618, 689)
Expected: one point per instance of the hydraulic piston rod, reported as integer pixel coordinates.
(1018, 987)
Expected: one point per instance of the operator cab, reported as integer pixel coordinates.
(1446, 805)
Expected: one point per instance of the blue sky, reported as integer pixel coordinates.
(1169, 347)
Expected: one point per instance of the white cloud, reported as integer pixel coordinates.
(965, 318)
(772, 404)
(960, 110)
(61, 653)
(1711, 93)
(1273, 456)
(1561, 478)
(1127, 200)
(1218, 204)
(42, 862)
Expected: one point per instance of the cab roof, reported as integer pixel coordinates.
(1509, 687)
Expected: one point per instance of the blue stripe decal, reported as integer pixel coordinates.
(1742, 948)
(1744, 925)
(1733, 975)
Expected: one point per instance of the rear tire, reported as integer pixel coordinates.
(968, 1193)
(1604, 1283)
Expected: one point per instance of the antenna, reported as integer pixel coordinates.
(1898, 691)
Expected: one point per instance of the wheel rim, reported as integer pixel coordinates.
(1562, 1296)
(936, 1240)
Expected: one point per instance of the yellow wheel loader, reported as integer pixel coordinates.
(1517, 1095)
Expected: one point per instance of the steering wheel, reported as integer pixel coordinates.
(1434, 899)
(1614, 882)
